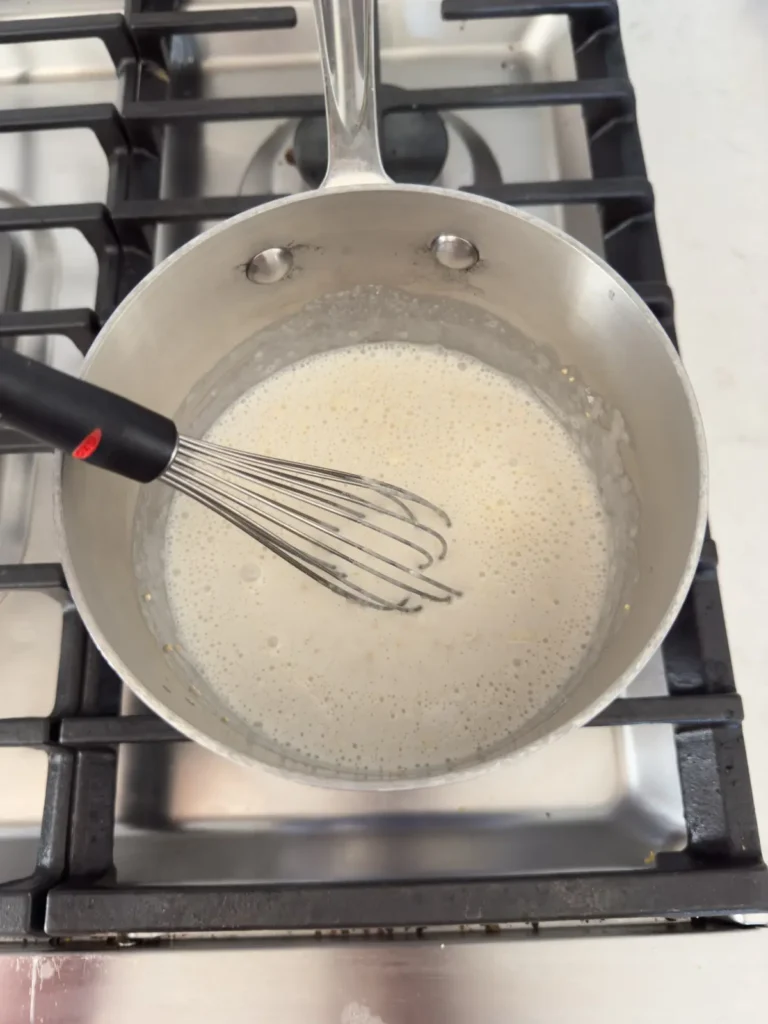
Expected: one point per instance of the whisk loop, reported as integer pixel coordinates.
(361, 538)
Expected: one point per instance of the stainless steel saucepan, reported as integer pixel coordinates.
(362, 259)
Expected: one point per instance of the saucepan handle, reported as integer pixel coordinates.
(83, 420)
(346, 30)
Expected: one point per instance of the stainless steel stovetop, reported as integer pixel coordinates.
(600, 798)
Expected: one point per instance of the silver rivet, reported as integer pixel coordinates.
(269, 266)
(454, 252)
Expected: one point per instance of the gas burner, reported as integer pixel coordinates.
(450, 152)
(414, 147)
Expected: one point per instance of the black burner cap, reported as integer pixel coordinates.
(414, 146)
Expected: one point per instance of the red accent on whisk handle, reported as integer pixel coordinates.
(97, 426)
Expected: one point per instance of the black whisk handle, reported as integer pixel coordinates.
(83, 420)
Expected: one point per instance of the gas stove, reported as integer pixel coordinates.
(126, 130)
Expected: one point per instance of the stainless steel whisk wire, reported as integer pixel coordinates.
(237, 486)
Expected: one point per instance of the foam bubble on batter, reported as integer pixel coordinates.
(379, 692)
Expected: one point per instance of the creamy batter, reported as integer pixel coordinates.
(382, 692)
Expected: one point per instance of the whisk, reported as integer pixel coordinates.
(364, 539)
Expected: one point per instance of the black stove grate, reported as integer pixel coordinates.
(73, 890)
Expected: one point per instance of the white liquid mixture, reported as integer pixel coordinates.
(382, 692)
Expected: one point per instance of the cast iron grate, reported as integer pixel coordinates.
(73, 890)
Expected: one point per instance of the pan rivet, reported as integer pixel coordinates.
(454, 252)
(269, 266)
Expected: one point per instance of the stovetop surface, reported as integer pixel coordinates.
(608, 799)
